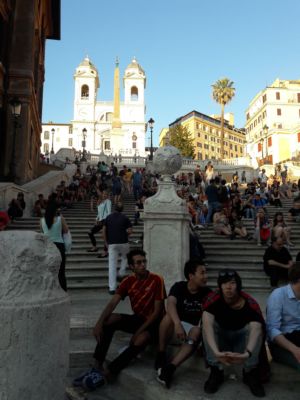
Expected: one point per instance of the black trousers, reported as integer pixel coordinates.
(95, 229)
(62, 268)
(129, 324)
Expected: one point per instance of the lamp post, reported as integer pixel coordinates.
(15, 106)
(151, 124)
(52, 132)
(265, 130)
(84, 131)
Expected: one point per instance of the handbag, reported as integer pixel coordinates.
(67, 238)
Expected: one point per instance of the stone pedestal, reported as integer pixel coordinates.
(166, 221)
(34, 319)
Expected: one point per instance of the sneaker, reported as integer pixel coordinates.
(252, 380)
(165, 375)
(161, 360)
(93, 380)
(77, 382)
(112, 292)
(215, 380)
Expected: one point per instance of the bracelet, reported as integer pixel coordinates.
(249, 352)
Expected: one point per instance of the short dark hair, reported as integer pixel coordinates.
(191, 266)
(227, 275)
(134, 252)
(294, 272)
(119, 207)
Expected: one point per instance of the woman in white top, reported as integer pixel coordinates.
(53, 225)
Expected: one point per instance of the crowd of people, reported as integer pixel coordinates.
(225, 325)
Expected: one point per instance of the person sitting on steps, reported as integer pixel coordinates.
(182, 320)
(146, 292)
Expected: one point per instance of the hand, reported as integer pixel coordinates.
(237, 358)
(98, 332)
(223, 358)
(180, 332)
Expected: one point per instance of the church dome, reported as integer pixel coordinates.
(87, 66)
(134, 66)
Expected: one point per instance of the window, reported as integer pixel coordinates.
(109, 116)
(205, 137)
(259, 147)
(264, 98)
(270, 141)
(134, 145)
(199, 134)
(46, 148)
(70, 130)
(197, 125)
(277, 95)
(84, 91)
(70, 142)
(212, 148)
(298, 97)
(235, 147)
(206, 146)
(134, 93)
(106, 145)
(298, 137)
(199, 144)
(47, 134)
(230, 146)
(279, 126)
(278, 111)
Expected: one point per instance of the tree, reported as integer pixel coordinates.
(180, 137)
(223, 93)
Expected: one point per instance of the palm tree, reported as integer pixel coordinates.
(223, 92)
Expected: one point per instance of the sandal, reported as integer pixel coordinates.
(92, 250)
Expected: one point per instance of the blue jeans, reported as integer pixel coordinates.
(235, 341)
(212, 207)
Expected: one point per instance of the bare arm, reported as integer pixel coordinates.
(282, 341)
(172, 311)
(65, 228)
(281, 265)
(106, 313)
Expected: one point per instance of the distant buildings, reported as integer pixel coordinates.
(109, 127)
(206, 132)
(273, 122)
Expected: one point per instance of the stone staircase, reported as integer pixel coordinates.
(87, 272)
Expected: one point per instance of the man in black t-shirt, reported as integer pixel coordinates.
(233, 333)
(184, 311)
(116, 229)
(294, 212)
(277, 261)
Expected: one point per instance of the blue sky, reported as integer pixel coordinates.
(183, 45)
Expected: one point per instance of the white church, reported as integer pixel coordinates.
(109, 127)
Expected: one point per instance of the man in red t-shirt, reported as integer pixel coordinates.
(146, 292)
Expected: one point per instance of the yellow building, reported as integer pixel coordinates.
(206, 133)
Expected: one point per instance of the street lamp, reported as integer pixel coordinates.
(53, 132)
(266, 130)
(15, 106)
(151, 124)
(84, 131)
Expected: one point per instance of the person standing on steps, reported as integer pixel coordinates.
(146, 292)
(54, 225)
(104, 209)
(117, 227)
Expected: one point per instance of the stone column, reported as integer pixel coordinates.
(34, 319)
(166, 221)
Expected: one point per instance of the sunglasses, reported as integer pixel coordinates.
(139, 262)
(227, 273)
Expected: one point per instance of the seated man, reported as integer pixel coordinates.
(294, 212)
(146, 292)
(277, 261)
(233, 333)
(184, 310)
(283, 320)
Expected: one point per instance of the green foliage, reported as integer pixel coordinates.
(180, 137)
(223, 91)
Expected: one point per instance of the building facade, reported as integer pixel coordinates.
(24, 28)
(206, 133)
(273, 123)
(109, 127)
